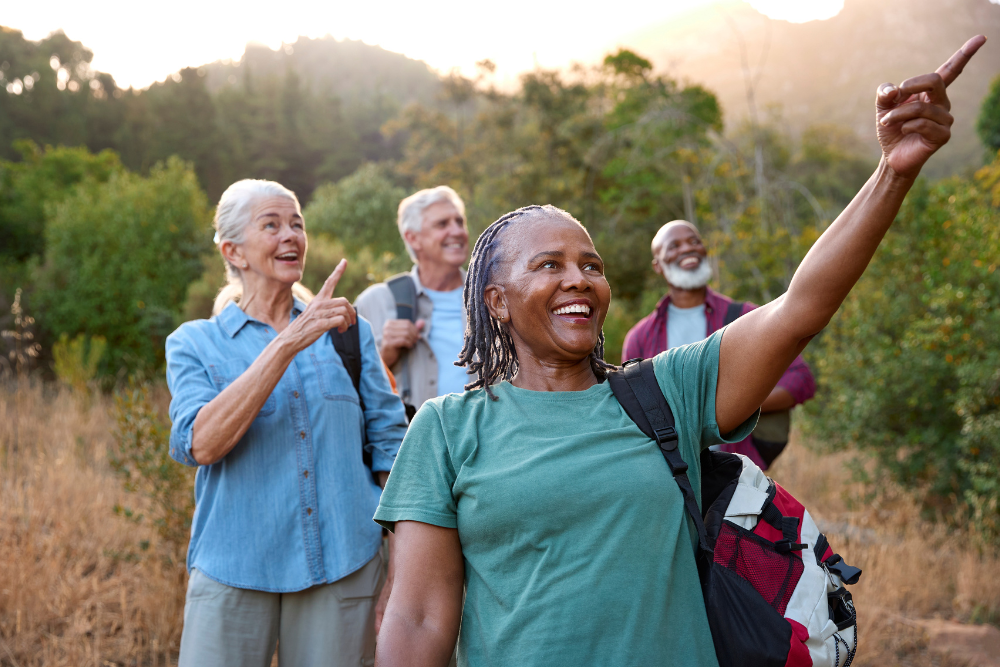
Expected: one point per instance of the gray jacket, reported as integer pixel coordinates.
(377, 305)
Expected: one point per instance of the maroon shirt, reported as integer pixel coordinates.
(649, 337)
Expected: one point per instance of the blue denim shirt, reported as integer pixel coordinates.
(291, 505)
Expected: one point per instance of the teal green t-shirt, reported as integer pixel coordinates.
(577, 549)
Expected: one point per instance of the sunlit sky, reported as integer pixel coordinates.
(142, 42)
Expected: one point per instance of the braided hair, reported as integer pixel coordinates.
(489, 349)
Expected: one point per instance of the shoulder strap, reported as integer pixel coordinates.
(348, 346)
(733, 312)
(404, 291)
(637, 390)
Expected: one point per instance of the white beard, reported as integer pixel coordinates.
(687, 278)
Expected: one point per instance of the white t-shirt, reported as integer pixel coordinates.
(686, 325)
(446, 338)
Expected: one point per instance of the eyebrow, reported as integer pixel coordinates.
(276, 215)
(560, 253)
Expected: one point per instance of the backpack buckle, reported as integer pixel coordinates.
(666, 437)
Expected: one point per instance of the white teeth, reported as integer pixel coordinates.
(573, 308)
(288, 255)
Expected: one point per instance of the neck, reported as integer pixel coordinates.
(440, 277)
(687, 298)
(540, 375)
(270, 304)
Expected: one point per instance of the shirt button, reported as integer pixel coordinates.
(295, 394)
(306, 473)
(309, 511)
(302, 434)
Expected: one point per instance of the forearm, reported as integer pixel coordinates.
(390, 355)
(412, 642)
(225, 419)
(836, 261)
(779, 399)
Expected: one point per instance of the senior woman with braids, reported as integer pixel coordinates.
(538, 492)
(283, 550)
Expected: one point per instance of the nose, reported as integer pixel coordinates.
(457, 227)
(576, 279)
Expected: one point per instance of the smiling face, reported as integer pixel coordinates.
(681, 256)
(550, 290)
(274, 244)
(443, 238)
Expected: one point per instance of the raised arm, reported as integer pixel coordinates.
(221, 423)
(421, 621)
(912, 121)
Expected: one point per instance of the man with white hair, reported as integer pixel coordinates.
(690, 312)
(418, 317)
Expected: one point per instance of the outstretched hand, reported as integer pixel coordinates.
(913, 119)
(324, 312)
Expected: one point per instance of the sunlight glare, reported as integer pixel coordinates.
(798, 11)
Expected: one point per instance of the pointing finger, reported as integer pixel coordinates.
(931, 84)
(951, 69)
(331, 283)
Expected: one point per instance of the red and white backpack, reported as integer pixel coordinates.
(774, 590)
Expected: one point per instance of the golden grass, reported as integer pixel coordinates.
(75, 589)
(72, 590)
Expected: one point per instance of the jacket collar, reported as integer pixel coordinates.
(232, 318)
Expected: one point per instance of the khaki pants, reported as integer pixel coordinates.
(332, 624)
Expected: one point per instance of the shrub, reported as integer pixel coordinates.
(910, 368)
(119, 257)
(360, 211)
(141, 458)
(75, 361)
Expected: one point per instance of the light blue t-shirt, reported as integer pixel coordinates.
(686, 325)
(446, 337)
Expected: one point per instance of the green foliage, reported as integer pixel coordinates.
(40, 180)
(119, 257)
(909, 368)
(988, 123)
(360, 211)
(141, 459)
(75, 361)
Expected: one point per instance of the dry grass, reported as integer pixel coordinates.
(75, 587)
(76, 590)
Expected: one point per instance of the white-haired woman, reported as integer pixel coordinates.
(282, 542)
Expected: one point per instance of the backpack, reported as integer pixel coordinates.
(348, 346)
(771, 435)
(773, 588)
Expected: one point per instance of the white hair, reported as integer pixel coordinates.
(661, 234)
(411, 210)
(232, 217)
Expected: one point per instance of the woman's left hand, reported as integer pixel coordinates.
(913, 119)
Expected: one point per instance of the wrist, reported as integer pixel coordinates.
(893, 179)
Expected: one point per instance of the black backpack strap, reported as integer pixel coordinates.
(348, 346)
(637, 390)
(733, 312)
(404, 291)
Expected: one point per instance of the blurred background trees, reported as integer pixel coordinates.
(105, 215)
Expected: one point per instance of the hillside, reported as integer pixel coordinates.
(827, 71)
(348, 69)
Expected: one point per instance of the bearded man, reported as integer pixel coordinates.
(690, 312)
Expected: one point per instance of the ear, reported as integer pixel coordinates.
(656, 267)
(232, 253)
(413, 239)
(496, 303)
